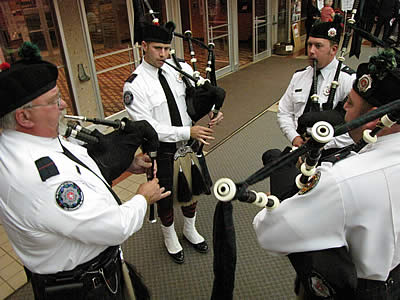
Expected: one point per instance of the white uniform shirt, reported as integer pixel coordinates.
(150, 103)
(355, 204)
(46, 237)
(293, 102)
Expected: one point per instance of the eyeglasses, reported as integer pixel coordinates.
(56, 101)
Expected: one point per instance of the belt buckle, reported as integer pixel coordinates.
(182, 151)
(96, 282)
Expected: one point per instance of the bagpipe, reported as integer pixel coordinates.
(114, 152)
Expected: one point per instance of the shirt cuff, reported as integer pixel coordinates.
(183, 133)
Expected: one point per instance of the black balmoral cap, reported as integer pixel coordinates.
(328, 30)
(26, 79)
(158, 33)
(378, 81)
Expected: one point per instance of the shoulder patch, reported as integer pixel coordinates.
(131, 78)
(46, 168)
(348, 70)
(312, 183)
(301, 70)
(69, 196)
(128, 97)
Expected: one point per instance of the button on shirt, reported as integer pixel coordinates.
(47, 238)
(293, 102)
(354, 204)
(150, 103)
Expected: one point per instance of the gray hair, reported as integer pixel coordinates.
(8, 121)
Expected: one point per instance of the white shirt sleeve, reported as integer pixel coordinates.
(308, 222)
(287, 113)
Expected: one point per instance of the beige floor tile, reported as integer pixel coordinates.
(2, 252)
(5, 260)
(139, 178)
(117, 189)
(5, 291)
(125, 195)
(10, 270)
(6, 246)
(14, 255)
(17, 280)
(274, 107)
(124, 184)
(3, 237)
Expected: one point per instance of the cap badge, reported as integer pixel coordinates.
(364, 83)
(332, 32)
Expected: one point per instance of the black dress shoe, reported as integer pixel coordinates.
(200, 247)
(178, 257)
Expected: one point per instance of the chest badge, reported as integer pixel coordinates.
(69, 196)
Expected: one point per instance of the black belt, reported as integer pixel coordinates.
(88, 275)
(172, 147)
(394, 276)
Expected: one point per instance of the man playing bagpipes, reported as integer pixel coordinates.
(341, 230)
(156, 92)
(310, 87)
(62, 217)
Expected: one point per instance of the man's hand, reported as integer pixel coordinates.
(201, 134)
(216, 120)
(298, 141)
(140, 164)
(152, 191)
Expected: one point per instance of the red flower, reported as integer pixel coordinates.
(4, 66)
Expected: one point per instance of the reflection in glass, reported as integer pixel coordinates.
(108, 24)
(32, 21)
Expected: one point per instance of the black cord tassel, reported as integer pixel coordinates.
(198, 184)
(184, 193)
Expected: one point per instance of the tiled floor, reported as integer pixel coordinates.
(12, 275)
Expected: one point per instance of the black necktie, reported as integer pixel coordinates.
(75, 159)
(173, 108)
(311, 106)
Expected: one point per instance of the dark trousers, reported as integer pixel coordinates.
(85, 282)
(385, 22)
(378, 290)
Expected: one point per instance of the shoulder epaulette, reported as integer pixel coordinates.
(131, 78)
(301, 70)
(348, 70)
(46, 167)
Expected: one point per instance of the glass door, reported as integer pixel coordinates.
(32, 21)
(218, 25)
(261, 30)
